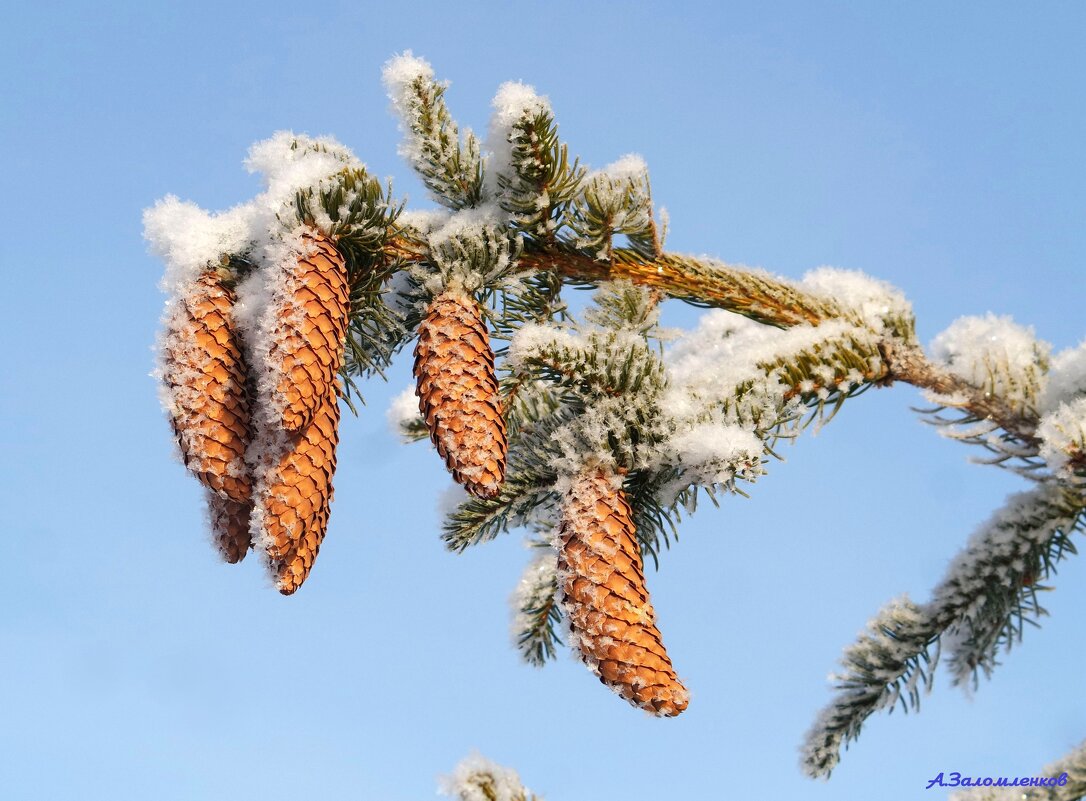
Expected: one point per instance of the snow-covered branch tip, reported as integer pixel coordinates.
(477, 778)
(977, 611)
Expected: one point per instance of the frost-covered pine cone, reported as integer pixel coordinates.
(458, 393)
(205, 377)
(602, 590)
(229, 521)
(307, 339)
(295, 493)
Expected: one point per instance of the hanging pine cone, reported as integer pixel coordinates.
(229, 521)
(603, 593)
(295, 495)
(458, 393)
(205, 378)
(309, 330)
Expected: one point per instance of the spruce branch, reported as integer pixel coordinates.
(478, 779)
(540, 182)
(698, 281)
(888, 664)
(449, 165)
(536, 613)
(908, 363)
(995, 581)
(980, 607)
(515, 230)
(528, 487)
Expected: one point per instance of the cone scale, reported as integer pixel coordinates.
(229, 522)
(602, 591)
(458, 393)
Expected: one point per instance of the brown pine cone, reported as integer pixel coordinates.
(602, 589)
(308, 334)
(458, 393)
(229, 523)
(205, 374)
(295, 494)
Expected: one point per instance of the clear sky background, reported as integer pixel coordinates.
(937, 146)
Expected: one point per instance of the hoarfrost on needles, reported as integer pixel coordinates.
(712, 452)
(513, 102)
(535, 590)
(1063, 435)
(399, 75)
(873, 300)
(1066, 378)
(996, 354)
(477, 778)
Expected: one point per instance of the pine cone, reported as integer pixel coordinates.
(602, 589)
(205, 375)
(458, 393)
(308, 334)
(294, 496)
(229, 523)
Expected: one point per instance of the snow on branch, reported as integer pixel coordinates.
(450, 166)
(888, 664)
(477, 778)
(536, 613)
(997, 355)
(989, 591)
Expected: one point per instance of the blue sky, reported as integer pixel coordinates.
(937, 148)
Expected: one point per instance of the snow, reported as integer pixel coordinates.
(399, 75)
(995, 354)
(728, 353)
(288, 161)
(630, 167)
(874, 301)
(1066, 378)
(403, 411)
(535, 339)
(469, 250)
(535, 589)
(1063, 436)
(450, 499)
(188, 238)
(476, 778)
(710, 452)
(513, 102)
(424, 220)
(620, 191)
